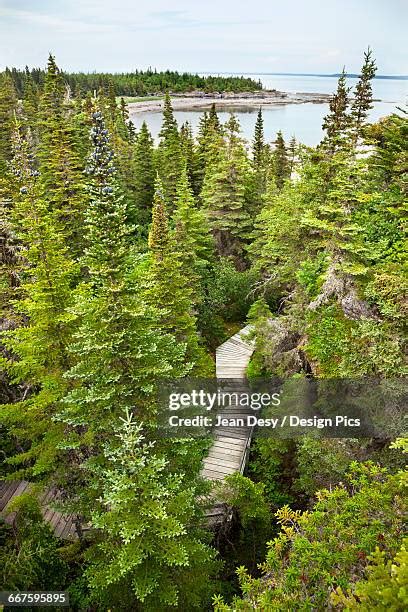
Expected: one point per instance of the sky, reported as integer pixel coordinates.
(318, 36)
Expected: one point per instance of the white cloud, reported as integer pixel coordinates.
(215, 35)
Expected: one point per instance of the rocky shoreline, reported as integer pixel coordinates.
(234, 101)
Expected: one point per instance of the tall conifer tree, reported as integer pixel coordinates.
(193, 236)
(39, 348)
(280, 161)
(144, 176)
(59, 164)
(258, 177)
(258, 147)
(170, 290)
(8, 107)
(363, 94)
(224, 193)
(190, 155)
(125, 355)
(338, 120)
(170, 159)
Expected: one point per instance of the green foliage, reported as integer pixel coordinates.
(118, 338)
(60, 168)
(363, 94)
(234, 288)
(258, 148)
(258, 316)
(337, 121)
(341, 347)
(272, 465)
(192, 233)
(138, 83)
(247, 499)
(169, 154)
(224, 194)
(311, 274)
(38, 353)
(151, 549)
(326, 548)
(107, 290)
(280, 161)
(144, 175)
(385, 586)
(8, 107)
(29, 557)
(321, 464)
(277, 235)
(170, 289)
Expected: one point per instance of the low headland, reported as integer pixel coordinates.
(199, 100)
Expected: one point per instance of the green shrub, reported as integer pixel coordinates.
(319, 551)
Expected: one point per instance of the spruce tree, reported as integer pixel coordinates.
(38, 349)
(190, 155)
(213, 120)
(224, 193)
(170, 290)
(31, 101)
(8, 108)
(338, 120)
(151, 552)
(209, 139)
(192, 232)
(144, 176)
(258, 146)
(119, 353)
(122, 143)
(126, 125)
(202, 147)
(280, 161)
(111, 108)
(292, 152)
(258, 177)
(277, 237)
(169, 154)
(363, 94)
(60, 168)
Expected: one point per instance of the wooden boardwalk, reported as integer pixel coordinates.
(62, 525)
(227, 455)
(229, 452)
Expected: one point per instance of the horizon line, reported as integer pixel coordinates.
(352, 75)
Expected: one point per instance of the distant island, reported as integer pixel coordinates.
(351, 75)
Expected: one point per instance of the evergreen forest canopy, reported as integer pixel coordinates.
(137, 83)
(123, 263)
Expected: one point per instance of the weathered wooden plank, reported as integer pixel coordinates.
(238, 434)
(223, 462)
(224, 452)
(234, 443)
(8, 493)
(21, 487)
(69, 530)
(60, 525)
(211, 475)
